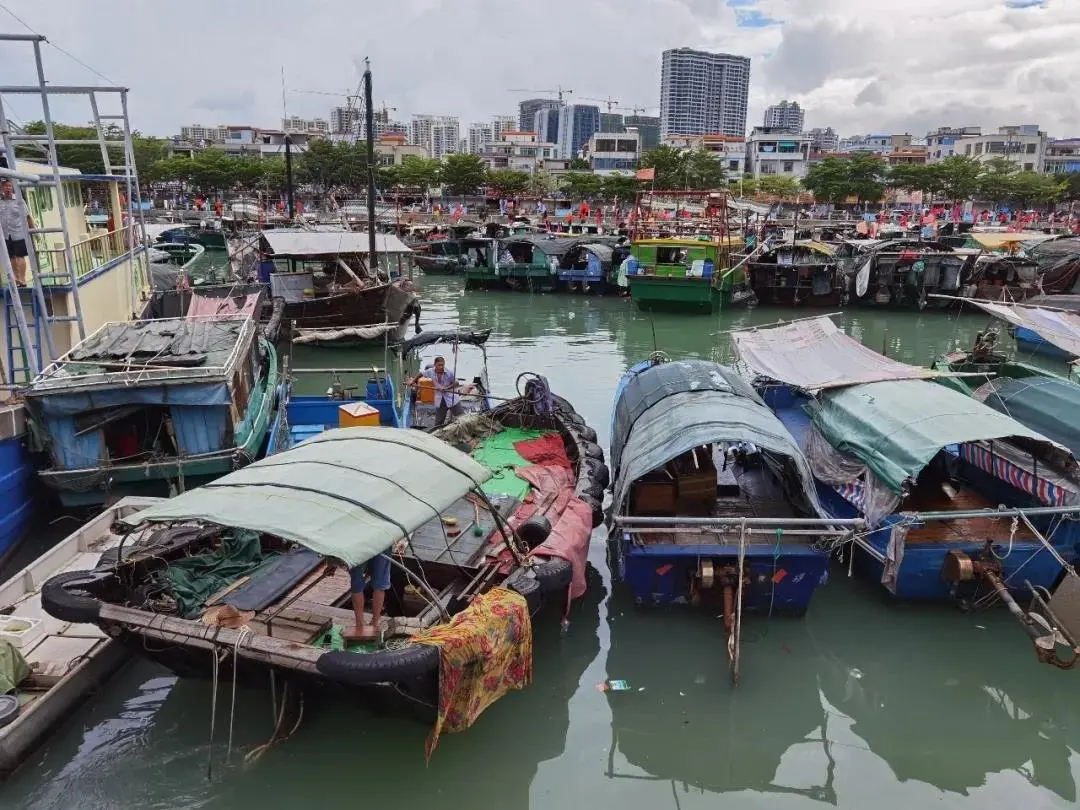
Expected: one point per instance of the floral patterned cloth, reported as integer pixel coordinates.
(484, 652)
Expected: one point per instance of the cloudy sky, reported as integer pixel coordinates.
(856, 65)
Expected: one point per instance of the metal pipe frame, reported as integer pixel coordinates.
(964, 514)
(55, 90)
(763, 531)
(629, 521)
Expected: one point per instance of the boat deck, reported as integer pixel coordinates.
(966, 531)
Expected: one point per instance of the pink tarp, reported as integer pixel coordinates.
(230, 306)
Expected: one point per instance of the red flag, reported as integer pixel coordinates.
(645, 174)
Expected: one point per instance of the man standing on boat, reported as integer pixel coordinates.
(16, 230)
(379, 569)
(447, 399)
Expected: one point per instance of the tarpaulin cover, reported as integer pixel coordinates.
(186, 394)
(284, 242)
(815, 354)
(498, 455)
(1062, 329)
(193, 580)
(571, 521)
(548, 449)
(205, 305)
(665, 410)
(1050, 405)
(484, 651)
(13, 667)
(897, 427)
(349, 493)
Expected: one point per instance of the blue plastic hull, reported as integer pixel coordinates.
(782, 580)
(16, 502)
(1029, 342)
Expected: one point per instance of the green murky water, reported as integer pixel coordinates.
(860, 704)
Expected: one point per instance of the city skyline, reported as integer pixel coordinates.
(849, 72)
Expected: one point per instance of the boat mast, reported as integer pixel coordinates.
(369, 125)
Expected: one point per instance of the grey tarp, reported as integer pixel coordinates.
(349, 493)
(814, 354)
(667, 409)
(1059, 328)
(304, 243)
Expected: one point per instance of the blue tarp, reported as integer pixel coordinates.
(198, 394)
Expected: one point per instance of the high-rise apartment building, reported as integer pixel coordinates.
(294, 123)
(545, 124)
(648, 128)
(703, 93)
(528, 108)
(824, 140)
(483, 133)
(438, 134)
(785, 115)
(577, 123)
(345, 120)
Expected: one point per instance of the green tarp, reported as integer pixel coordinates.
(897, 427)
(497, 453)
(195, 579)
(13, 667)
(349, 493)
(1050, 405)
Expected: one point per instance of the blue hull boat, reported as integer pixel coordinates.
(1029, 342)
(713, 502)
(16, 472)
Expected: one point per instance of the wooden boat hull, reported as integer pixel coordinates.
(798, 295)
(350, 308)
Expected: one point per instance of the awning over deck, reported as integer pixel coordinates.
(814, 355)
(348, 493)
(1062, 329)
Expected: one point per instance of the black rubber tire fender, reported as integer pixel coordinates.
(593, 490)
(60, 603)
(531, 590)
(597, 471)
(594, 451)
(535, 530)
(407, 663)
(596, 506)
(554, 575)
(586, 434)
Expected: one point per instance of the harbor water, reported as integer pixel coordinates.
(861, 703)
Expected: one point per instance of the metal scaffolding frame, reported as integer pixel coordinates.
(125, 172)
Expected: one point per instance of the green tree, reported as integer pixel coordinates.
(1034, 188)
(1071, 189)
(418, 172)
(914, 177)
(149, 153)
(578, 164)
(778, 185)
(704, 170)
(996, 181)
(669, 164)
(508, 183)
(957, 177)
(463, 173)
(829, 180)
(582, 185)
(866, 176)
(620, 186)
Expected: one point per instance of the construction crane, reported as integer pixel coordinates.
(610, 102)
(560, 92)
(352, 102)
(636, 110)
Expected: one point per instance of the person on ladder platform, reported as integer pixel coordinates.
(16, 230)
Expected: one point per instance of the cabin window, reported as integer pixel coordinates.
(671, 255)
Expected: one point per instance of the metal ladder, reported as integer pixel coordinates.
(37, 356)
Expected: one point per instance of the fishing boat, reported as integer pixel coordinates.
(251, 300)
(964, 503)
(902, 273)
(465, 357)
(590, 267)
(799, 273)
(261, 587)
(713, 503)
(1038, 327)
(52, 665)
(332, 295)
(155, 406)
(533, 263)
(685, 275)
(450, 257)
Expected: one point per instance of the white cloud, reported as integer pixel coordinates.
(859, 66)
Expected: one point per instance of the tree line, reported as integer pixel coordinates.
(340, 167)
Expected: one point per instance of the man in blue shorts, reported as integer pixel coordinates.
(378, 568)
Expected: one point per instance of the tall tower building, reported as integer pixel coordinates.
(528, 109)
(438, 134)
(785, 115)
(703, 93)
(577, 123)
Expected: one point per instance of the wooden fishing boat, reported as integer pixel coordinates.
(682, 275)
(57, 663)
(802, 273)
(713, 502)
(450, 257)
(149, 407)
(903, 273)
(469, 567)
(465, 356)
(926, 466)
(332, 287)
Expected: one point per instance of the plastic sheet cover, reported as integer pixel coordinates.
(349, 493)
(665, 410)
(1059, 328)
(897, 427)
(1046, 404)
(814, 355)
